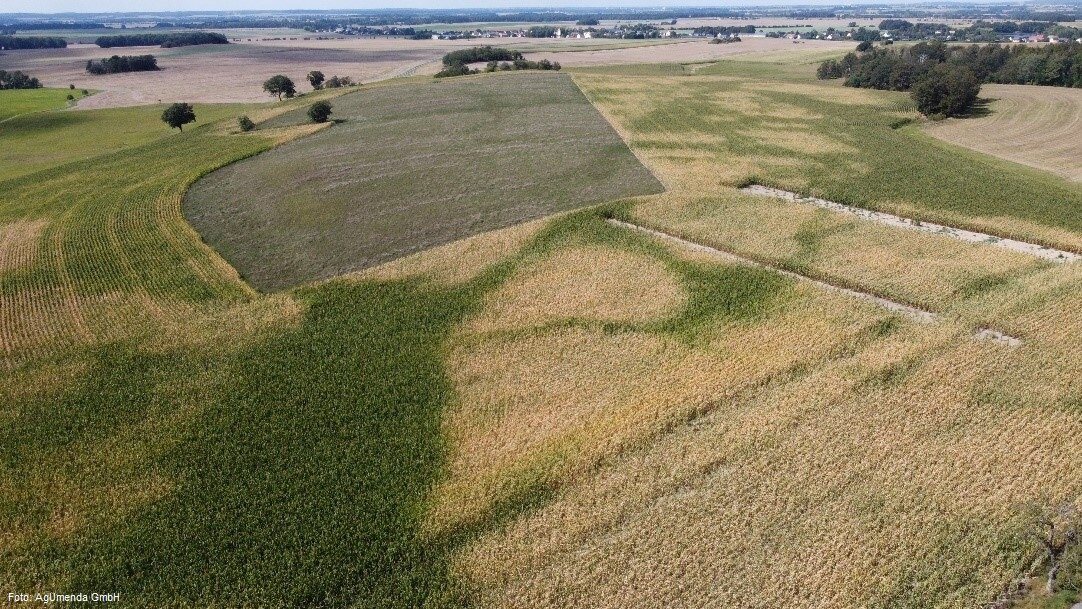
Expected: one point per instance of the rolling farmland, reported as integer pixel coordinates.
(559, 412)
(398, 176)
(1035, 126)
(38, 141)
(23, 101)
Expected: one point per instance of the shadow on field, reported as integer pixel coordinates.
(305, 483)
(980, 108)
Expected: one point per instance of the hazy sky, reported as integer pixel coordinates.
(64, 6)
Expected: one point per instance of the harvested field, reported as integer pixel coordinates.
(1035, 126)
(412, 167)
(216, 73)
(691, 52)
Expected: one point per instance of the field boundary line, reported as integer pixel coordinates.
(624, 136)
(915, 313)
(1040, 251)
(897, 307)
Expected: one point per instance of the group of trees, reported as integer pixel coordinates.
(521, 64)
(946, 79)
(479, 54)
(723, 30)
(166, 41)
(122, 63)
(12, 43)
(1051, 65)
(18, 80)
(281, 85)
(456, 63)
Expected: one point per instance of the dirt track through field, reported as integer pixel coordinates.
(920, 315)
(1040, 251)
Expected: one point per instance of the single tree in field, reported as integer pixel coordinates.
(319, 112)
(315, 78)
(1057, 530)
(178, 115)
(245, 123)
(280, 85)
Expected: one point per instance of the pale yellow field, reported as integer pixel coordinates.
(827, 454)
(1036, 126)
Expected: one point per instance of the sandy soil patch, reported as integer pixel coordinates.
(1032, 249)
(1036, 126)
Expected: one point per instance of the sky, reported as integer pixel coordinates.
(88, 6)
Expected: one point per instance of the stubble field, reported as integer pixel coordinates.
(234, 73)
(1035, 126)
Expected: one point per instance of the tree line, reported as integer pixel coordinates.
(166, 41)
(1058, 65)
(723, 30)
(945, 80)
(979, 31)
(122, 63)
(521, 64)
(12, 43)
(18, 80)
(479, 54)
(499, 59)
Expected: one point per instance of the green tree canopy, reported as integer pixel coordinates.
(315, 78)
(178, 115)
(319, 112)
(280, 85)
(946, 90)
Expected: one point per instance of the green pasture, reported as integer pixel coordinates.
(15, 102)
(33, 142)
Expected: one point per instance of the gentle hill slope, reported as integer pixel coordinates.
(411, 167)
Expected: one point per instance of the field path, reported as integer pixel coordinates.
(1036, 126)
(1032, 249)
(920, 315)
